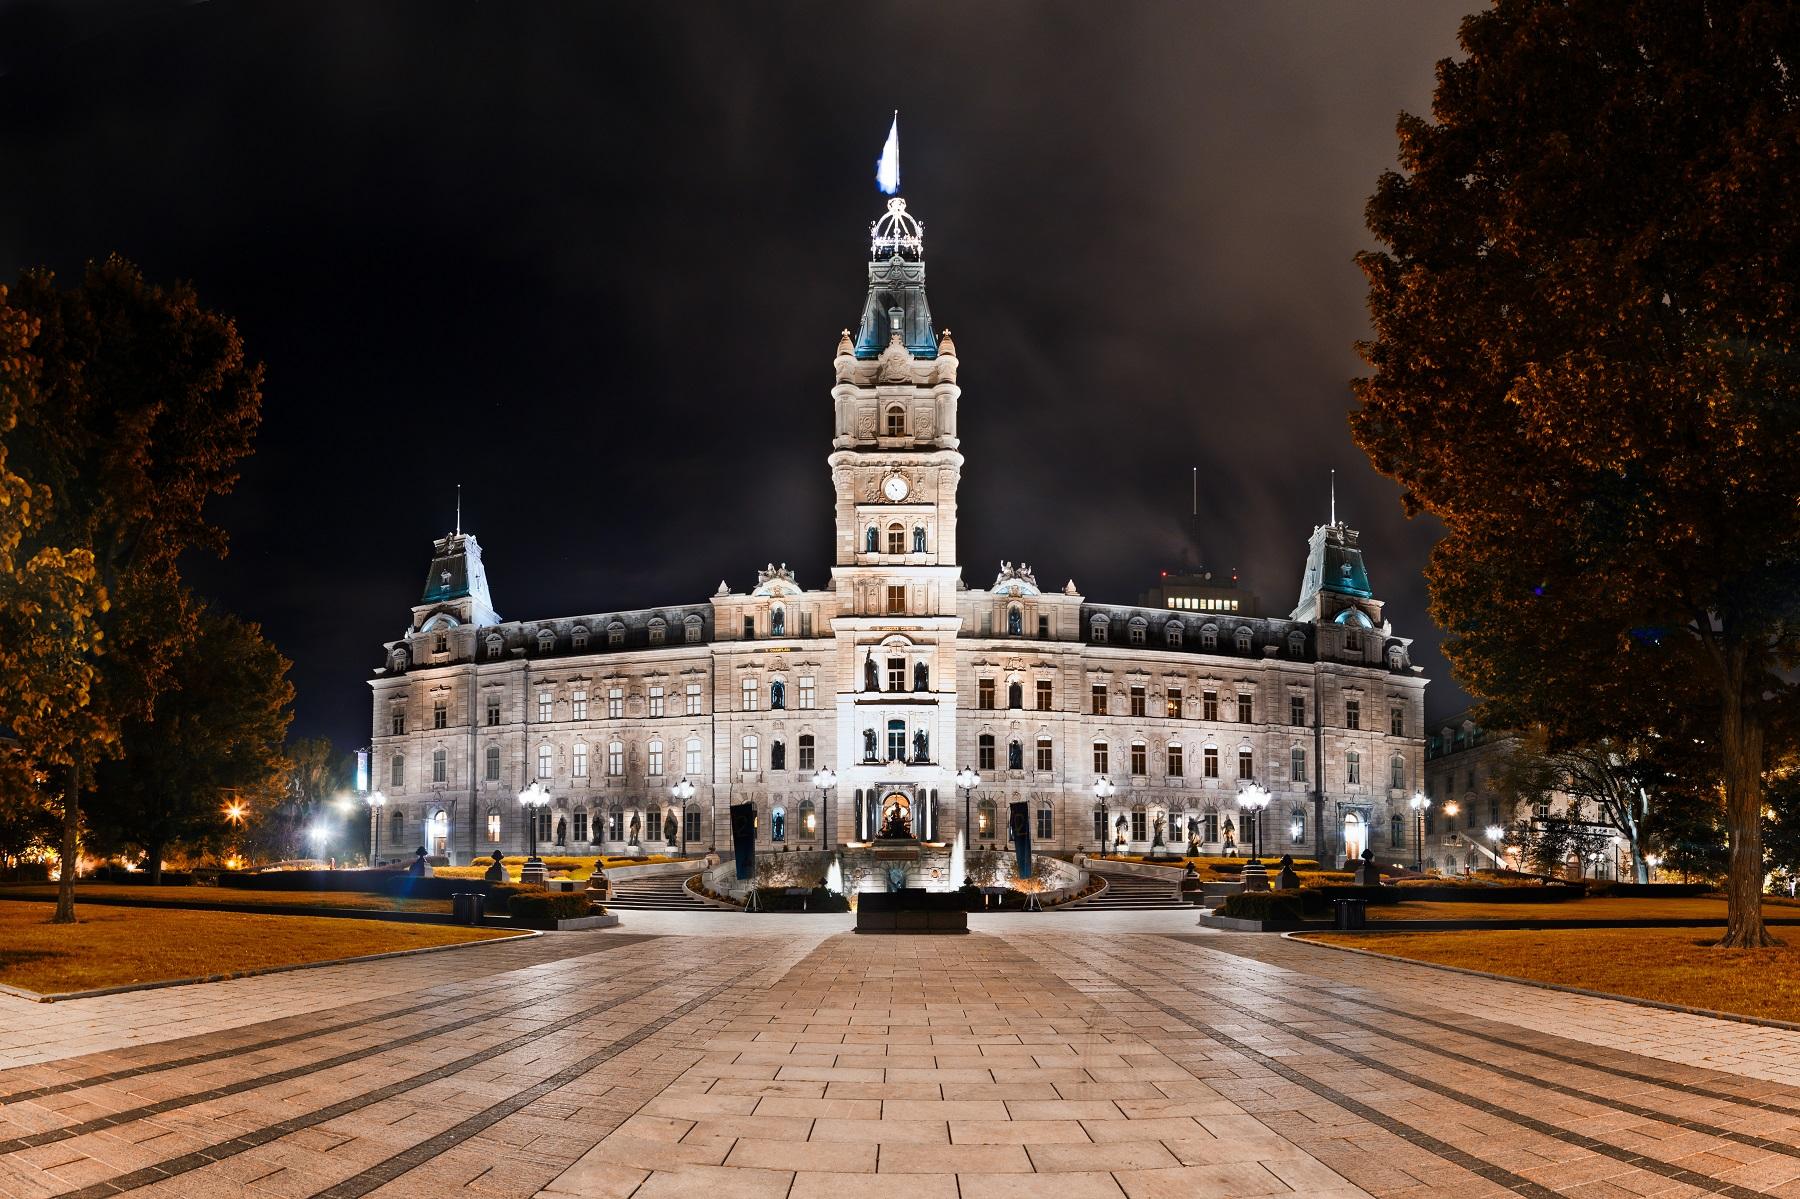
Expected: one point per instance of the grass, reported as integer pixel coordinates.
(201, 897)
(577, 868)
(1694, 907)
(1670, 965)
(113, 946)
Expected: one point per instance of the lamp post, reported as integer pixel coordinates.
(377, 801)
(825, 778)
(1253, 799)
(683, 791)
(1103, 791)
(533, 798)
(319, 833)
(1418, 803)
(967, 780)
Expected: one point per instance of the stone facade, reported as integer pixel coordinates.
(895, 674)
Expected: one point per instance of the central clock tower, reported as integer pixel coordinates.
(894, 471)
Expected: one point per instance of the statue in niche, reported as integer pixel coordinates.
(1229, 838)
(1156, 841)
(921, 746)
(896, 821)
(671, 828)
(868, 745)
(871, 677)
(921, 677)
(778, 825)
(637, 825)
(1193, 832)
(1015, 756)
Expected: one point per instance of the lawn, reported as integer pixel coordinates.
(1670, 965)
(114, 946)
(1697, 907)
(197, 897)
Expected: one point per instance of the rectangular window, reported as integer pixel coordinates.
(1396, 830)
(1046, 825)
(545, 761)
(1352, 768)
(808, 693)
(1353, 714)
(747, 691)
(493, 764)
(750, 753)
(1172, 703)
(1044, 628)
(1297, 764)
(546, 707)
(896, 600)
(440, 714)
(1246, 710)
(896, 674)
(656, 757)
(1140, 758)
(493, 710)
(1246, 764)
(1100, 826)
(656, 701)
(578, 706)
(1209, 762)
(984, 694)
(1137, 700)
(581, 826)
(1045, 695)
(806, 623)
(984, 752)
(493, 828)
(1174, 760)
(1397, 721)
(1043, 754)
(443, 643)
(693, 699)
(615, 825)
(615, 759)
(1098, 701)
(690, 820)
(1297, 827)
(398, 723)
(437, 766)
(1100, 756)
(749, 628)
(580, 760)
(1397, 774)
(1209, 705)
(693, 758)
(1297, 710)
(807, 753)
(615, 702)
(1139, 822)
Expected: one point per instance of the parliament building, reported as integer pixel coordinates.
(848, 710)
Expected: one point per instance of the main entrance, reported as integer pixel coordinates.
(1356, 836)
(896, 817)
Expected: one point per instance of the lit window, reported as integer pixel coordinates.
(1172, 703)
(615, 702)
(751, 757)
(1097, 699)
(545, 761)
(693, 756)
(493, 828)
(747, 695)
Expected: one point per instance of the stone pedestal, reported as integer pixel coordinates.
(1255, 876)
(533, 871)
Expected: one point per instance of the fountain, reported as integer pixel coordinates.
(956, 861)
(834, 876)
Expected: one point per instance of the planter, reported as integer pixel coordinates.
(573, 923)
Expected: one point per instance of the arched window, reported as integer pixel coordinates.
(439, 759)
(777, 694)
(1353, 767)
(399, 661)
(1297, 825)
(1296, 644)
(546, 641)
(921, 677)
(1097, 628)
(809, 819)
(986, 823)
(1396, 657)
(694, 626)
(493, 763)
(1015, 621)
(1209, 636)
(1397, 772)
(778, 621)
(1172, 634)
(546, 759)
(896, 540)
(751, 758)
(1015, 755)
(1135, 630)
(397, 827)
(1015, 694)
(659, 630)
(871, 540)
(777, 755)
(578, 637)
(896, 421)
(397, 772)
(1243, 641)
(918, 539)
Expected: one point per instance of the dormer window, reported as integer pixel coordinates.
(442, 645)
(1135, 630)
(1172, 634)
(1296, 644)
(546, 641)
(1209, 636)
(659, 630)
(399, 660)
(896, 421)
(1243, 641)
(578, 638)
(495, 645)
(1097, 629)
(615, 634)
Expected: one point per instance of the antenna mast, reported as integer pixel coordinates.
(1334, 496)
(459, 509)
(1194, 520)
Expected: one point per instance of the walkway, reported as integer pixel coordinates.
(1059, 1056)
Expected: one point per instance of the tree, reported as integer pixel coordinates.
(133, 407)
(1583, 363)
(1617, 779)
(317, 774)
(219, 728)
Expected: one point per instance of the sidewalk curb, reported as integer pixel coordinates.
(159, 984)
(1762, 1021)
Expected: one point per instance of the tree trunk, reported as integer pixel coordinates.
(1741, 741)
(156, 864)
(71, 845)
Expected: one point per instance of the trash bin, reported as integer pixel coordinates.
(1350, 913)
(475, 907)
(459, 907)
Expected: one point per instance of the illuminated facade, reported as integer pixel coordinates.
(895, 674)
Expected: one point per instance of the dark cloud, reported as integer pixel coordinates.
(591, 261)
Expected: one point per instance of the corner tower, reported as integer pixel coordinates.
(894, 471)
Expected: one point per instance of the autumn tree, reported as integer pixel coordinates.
(317, 773)
(1583, 363)
(133, 406)
(1618, 780)
(218, 728)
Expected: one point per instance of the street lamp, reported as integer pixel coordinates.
(1103, 791)
(377, 801)
(534, 798)
(683, 791)
(319, 833)
(1418, 803)
(967, 780)
(825, 778)
(1253, 799)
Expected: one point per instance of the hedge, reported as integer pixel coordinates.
(542, 909)
(1290, 906)
(1620, 890)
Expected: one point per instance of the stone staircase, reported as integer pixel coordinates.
(1129, 893)
(664, 893)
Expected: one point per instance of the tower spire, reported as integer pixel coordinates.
(459, 509)
(1334, 495)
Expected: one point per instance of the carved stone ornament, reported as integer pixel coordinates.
(926, 422)
(896, 364)
(865, 423)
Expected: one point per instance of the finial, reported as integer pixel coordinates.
(459, 509)
(1334, 496)
(946, 344)
(845, 346)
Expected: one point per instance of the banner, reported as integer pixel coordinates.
(743, 838)
(1021, 836)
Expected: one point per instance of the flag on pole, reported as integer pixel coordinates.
(887, 171)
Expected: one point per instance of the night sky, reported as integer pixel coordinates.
(591, 261)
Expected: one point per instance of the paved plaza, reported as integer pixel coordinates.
(1063, 1055)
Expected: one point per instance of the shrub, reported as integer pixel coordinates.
(1266, 905)
(1619, 890)
(542, 909)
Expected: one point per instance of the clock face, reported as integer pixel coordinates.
(895, 488)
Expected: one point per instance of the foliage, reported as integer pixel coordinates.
(1279, 906)
(133, 407)
(1583, 363)
(542, 909)
(317, 774)
(217, 730)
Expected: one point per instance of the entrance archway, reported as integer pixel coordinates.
(896, 815)
(440, 833)
(1356, 837)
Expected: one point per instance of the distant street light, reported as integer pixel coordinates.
(1103, 791)
(1253, 799)
(377, 801)
(534, 798)
(1419, 803)
(967, 780)
(825, 778)
(683, 791)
